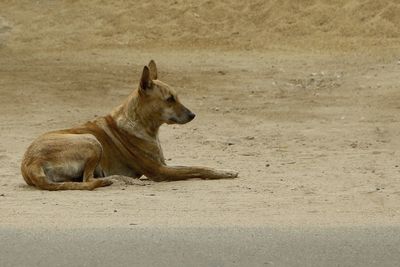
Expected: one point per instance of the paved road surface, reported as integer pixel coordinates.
(136, 246)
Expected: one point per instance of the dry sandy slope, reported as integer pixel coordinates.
(339, 24)
(314, 135)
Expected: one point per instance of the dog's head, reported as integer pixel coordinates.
(158, 101)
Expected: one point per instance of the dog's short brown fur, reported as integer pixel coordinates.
(123, 143)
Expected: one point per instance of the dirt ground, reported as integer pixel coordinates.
(303, 103)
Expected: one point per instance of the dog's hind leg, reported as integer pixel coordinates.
(63, 162)
(41, 181)
(91, 164)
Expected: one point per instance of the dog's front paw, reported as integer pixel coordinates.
(233, 174)
(229, 174)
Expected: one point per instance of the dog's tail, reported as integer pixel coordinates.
(36, 176)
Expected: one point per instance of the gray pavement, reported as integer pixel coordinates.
(219, 246)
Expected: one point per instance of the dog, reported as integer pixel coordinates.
(125, 142)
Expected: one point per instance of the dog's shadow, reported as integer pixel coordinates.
(126, 180)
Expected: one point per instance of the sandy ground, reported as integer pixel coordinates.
(312, 126)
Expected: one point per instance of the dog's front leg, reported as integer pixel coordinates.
(176, 173)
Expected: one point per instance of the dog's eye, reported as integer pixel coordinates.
(171, 99)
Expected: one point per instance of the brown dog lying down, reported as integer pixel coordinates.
(124, 142)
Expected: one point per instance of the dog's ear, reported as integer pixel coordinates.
(145, 80)
(153, 70)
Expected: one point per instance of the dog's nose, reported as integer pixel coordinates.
(191, 115)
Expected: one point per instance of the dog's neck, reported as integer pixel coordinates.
(131, 117)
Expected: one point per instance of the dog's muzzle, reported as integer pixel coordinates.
(191, 116)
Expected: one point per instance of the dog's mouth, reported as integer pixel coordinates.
(177, 121)
(172, 120)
